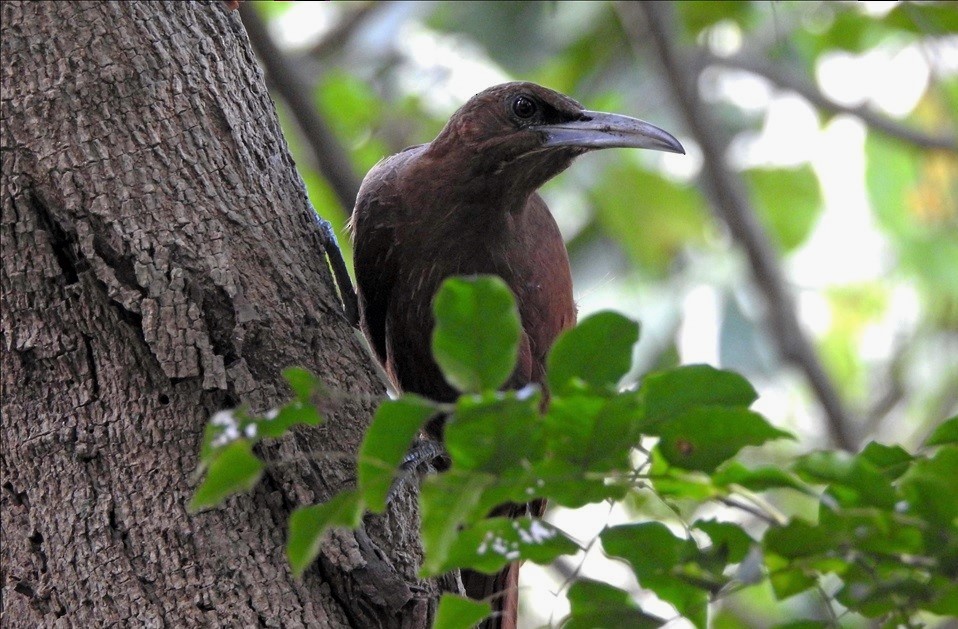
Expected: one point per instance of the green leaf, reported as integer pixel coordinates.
(672, 482)
(301, 410)
(759, 479)
(349, 102)
(654, 552)
(786, 578)
(852, 480)
(944, 598)
(353, 108)
(872, 530)
(892, 461)
(850, 30)
(945, 433)
(308, 525)
(798, 538)
(788, 200)
(704, 438)
(303, 383)
(931, 489)
(518, 485)
(233, 469)
(931, 256)
(565, 484)
(890, 172)
(879, 589)
(729, 540)
(271, 10)
(289, 415)
(597, 352)
(494, 432)
(668, 394)
(596, 604)
(791, 581)
(557, 481)
(458, 612)
(697, 15)
(492, 543)
(476, 338)
(224, 427)
(446, 502)
(594, 433)
(923, 19)
(396, 424)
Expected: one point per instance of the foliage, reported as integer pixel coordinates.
(457, 611)
(885, 526)
(873, 258)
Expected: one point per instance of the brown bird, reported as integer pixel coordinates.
(466, 204)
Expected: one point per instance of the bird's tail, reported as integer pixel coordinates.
(504, 586)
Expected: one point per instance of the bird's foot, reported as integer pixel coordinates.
(424, 456)
(424, 450)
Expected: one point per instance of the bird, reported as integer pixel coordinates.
(467, 204)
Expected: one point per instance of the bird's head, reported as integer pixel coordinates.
(520, 135)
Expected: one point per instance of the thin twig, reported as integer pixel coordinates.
(330, 155)
(807, 90)
(826, 601)
(752, 510)
(729, 199)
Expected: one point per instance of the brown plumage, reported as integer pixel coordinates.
(466, 204)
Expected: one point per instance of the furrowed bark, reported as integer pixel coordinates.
(160, 262)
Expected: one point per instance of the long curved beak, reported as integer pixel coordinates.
(599, 130)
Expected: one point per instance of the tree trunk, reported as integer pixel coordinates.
(160, 262)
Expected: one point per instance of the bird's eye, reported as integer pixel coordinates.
(524, 107)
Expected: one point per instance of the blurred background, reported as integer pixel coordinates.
(808, 240)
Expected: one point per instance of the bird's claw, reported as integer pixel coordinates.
(424, 452)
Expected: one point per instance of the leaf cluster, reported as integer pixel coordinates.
(886, 518)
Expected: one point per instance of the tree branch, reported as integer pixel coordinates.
(347, 27)
(330, 155)
(807, 90)
(729, 199)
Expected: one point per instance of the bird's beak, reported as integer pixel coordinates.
(598, 130)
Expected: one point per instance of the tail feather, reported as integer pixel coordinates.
(502, 591)
(502, 588)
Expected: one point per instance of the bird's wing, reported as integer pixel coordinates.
(541, 281)
(373, 247)
(373, 225)
(374, 275)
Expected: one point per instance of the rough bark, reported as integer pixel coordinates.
(161, 261)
